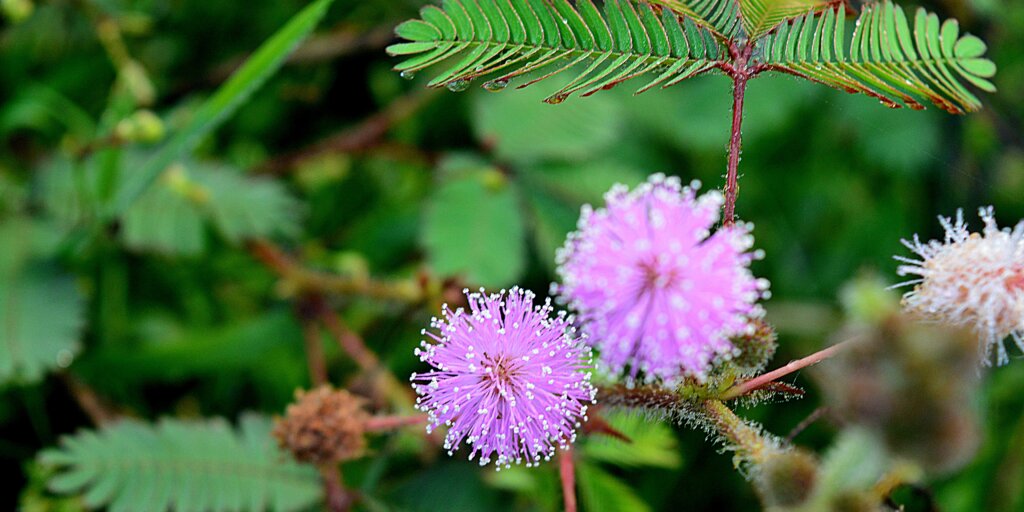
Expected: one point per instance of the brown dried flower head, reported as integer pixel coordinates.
(323, 425)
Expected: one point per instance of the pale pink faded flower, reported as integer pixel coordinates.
(971, 279)
(657, 292)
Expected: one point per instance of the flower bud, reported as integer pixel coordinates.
(142, 126)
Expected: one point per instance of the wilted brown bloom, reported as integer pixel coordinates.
(323, 425)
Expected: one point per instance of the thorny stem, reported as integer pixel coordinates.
(567, 473)
(760, 381)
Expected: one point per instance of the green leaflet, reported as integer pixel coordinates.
(760, 16)
(885, 57)
(182, 466)
(721, 17)
(599, 48)
(672, 40)
(267, 59)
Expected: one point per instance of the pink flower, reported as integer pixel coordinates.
(656, 291)
(508, 378)
(971, 279)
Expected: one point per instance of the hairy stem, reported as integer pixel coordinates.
(732, 186)
(567, 473)
(745, 387)
(747, 441)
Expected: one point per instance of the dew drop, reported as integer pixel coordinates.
(408, 75)
(458, 85)
(496, 85)
(555, 100)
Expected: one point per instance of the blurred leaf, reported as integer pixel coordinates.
(40, 107)
(24, 239)
(696, 116)
(855, 462)
(182, 466)
(169, 217)
(473, 227)
(876, 128)
(653, 443)
(267, 59)
(555, 193)
(573, 131)
(165, 220)
(41, 315)
(450, 485)
(600, 491)
(247, 207)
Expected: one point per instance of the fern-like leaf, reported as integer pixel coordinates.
(885, 57)
(182, 466)
(760, 16)
(507, 39)
(721, 17)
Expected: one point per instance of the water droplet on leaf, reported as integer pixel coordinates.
(408, 75)
(496, 85)
(458, 85)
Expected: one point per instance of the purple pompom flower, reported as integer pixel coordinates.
(508, 378)
(655, 290)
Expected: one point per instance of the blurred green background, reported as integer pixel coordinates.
(358, 172)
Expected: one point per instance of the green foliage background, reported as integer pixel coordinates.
(161, 310)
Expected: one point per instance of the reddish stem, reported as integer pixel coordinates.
(732, 186)
(314, 347)
(567, 472)
(385, 423)
(336, 497)
(762, 380)
(349, 341)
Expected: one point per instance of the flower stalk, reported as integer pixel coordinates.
(763, 380)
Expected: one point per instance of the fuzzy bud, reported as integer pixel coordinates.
(786, 478)
(324, 425)
(142, 126)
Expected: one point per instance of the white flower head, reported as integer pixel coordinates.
(974, 280)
